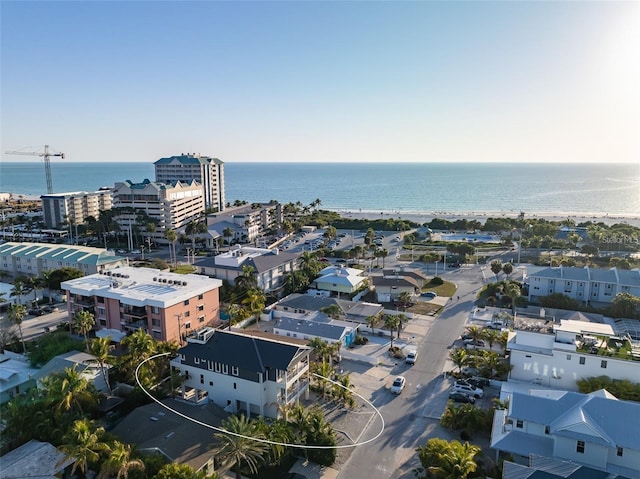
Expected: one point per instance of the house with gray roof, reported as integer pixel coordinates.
(316, 325)
(85, 364)
(37, 460)
(155, 429)
(587, 285)
(270, 266)
(389, 288)
(301, 304)
(540, 467)
(243, 373)
(593, 429)
(31, 259)
(340, 281)
(16, 375)
(418, 276)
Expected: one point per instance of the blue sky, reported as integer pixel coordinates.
(323, 81)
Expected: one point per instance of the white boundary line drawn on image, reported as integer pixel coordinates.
(265, 441)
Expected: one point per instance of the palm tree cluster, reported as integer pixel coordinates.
(467, 418)
(447, 460)
(324, 373)
(240, 450)
(488, 363)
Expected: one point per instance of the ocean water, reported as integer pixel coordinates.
(597, 189)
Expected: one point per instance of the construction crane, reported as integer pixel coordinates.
(47, 165)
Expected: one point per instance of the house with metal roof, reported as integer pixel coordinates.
(31, 259)
(316, 325)
(338, 280)
(243, 373)
(85, 364)
(587, 285)
(270, 265)
(594, 430)
(155, 429)
(16, 375)
(540, 467)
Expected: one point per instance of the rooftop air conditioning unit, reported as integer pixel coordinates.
(155, 279)
(184, 283)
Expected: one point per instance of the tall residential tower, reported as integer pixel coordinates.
(209, 172)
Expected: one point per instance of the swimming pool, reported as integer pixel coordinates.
(471, 238)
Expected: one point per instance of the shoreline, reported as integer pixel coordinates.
(426, 216)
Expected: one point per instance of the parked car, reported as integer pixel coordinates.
(461, 397)
(36, 312)
(411, 357)
(465, 336)
(429, 295)
(474, 342)
(478, 382)
(398, 385)
(495, 325)
(468, 389)
(469, 371)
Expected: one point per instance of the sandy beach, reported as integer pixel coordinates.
(426, 216)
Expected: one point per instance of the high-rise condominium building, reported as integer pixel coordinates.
(209, 172)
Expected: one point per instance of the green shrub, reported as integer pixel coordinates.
(437, 280)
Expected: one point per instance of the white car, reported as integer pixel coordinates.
(468, 389)
(411, 357)
(398, 385)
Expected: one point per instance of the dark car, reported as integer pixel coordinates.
(36, 312)
(461, 397)
(478, 382)
(465, 336)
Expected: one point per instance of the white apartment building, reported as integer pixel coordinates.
(246, 222)
(172, 206)
(75, 207)
(243, 373)
(209, 172)
(587, 285)
(558, 355)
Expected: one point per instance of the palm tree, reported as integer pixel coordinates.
(342, 390)
(178, 471)
(491, 335)
(255, 301)
(514, 292)
(507, 269)
(391, 322)
(404, 300)
(17, 312)
(172, 237)
(83, 443)
(18, 288)
(68, 390)
(83, 322)
(236, 314)
(100, 348)
(458, 461)
(140, 346)
(372, 321)
(236, 447)
(496, 266)
(227, 233)
(460, 357)
(119, 462)
(324, 371)
(247, 279)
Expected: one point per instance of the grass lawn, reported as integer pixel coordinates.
(183, 269)
(446, 289)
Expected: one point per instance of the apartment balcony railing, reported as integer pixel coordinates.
(298, 388)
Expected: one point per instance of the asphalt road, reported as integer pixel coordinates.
(393, 455)
(32, 327)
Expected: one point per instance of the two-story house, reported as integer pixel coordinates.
(596, 430)
(243, 373)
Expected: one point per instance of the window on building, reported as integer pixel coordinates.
(217, 367)
(210, 365)
(619, 451)
(225, 369)
(547, 429)
(186, 302)
(155, 309)
(603, 364)
(235, 370)
(201, 307)
(210, 383)
(201, 296)
(196, 360)
(202, 379)
(568, 357)
(519, 423)
(187, 325)
(582, 360)
(580, 447)
(187, 314)
(155, 322)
